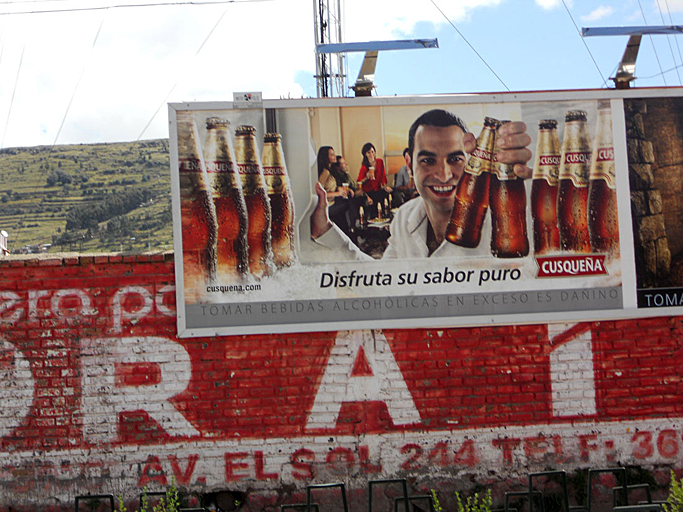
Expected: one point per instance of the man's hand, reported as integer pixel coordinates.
(511, 146)
(320, 219)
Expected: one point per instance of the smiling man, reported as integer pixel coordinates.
(439, 144)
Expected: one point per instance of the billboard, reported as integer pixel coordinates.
(438, 213)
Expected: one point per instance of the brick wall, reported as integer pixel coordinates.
(98, 395)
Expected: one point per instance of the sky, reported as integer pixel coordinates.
(106, 74)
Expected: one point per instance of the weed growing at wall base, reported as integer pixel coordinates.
(471, 504)
(674, 502)
(168, 503)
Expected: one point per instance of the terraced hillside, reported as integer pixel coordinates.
(87, 197)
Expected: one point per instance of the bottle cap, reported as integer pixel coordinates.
(245, 130)
(490, 121)
(575, 115)
(213, 122)
(547, 124)
(272, 137)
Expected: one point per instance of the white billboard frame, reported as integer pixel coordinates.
(627, 285)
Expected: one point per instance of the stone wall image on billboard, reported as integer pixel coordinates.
(654, 130)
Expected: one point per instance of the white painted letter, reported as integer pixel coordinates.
(104, 399)
(571, 370)
(385, 384)
(16, 388)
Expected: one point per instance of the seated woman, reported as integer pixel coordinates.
(373, 177)
(357, 199)
(336, 196)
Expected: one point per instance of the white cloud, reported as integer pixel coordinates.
(671, 5)
(142, 52)
(382, 19)
(597, 14)
(552, 4)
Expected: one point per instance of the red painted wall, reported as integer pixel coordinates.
(98, 395)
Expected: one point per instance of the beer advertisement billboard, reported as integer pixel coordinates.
(330, 214)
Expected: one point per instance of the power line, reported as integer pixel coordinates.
(671, 20)
(66, 113)
(652, 43)
(9, 112)
(126, 6)
(177, 82)
(468, 43)
(73, 94)
(30, 1)
(13, 2)
(583, 40)
(660, 74)
(668, 39)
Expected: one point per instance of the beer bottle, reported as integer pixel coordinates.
(281, 202)
(544, 188)
(232, 258)
(572, 197)
(256, 199)
(472, 192)
(603, 222)
(197, 213)
(507, 197)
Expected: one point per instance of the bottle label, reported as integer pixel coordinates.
(276, 179)
(190, 165)
(576, 167)
(219, 167)
(548, 169)
(603, 167)
(248, 169)
(479, 161)
(504, 172)
(276, 170)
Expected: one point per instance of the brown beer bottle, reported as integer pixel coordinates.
(507, 197)
(197, 213)
(544, 188)
(281, 202)
(472, 192)
(572, 197)
(603, 221)
(232, 259)
(256, 199)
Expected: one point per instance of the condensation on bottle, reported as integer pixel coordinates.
(232, 254)
(472, 192)
(197, 212)
(572, 197)
(507, 199)
(256, 199)
(603, 220)
(281, 201)
(544, 187)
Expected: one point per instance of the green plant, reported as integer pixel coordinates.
(168, 503)
(674, 502)
(471, 504)
(437, 504)
(474, 504)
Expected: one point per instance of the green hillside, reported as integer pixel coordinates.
(87, 197)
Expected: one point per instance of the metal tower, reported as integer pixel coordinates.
(330, 69)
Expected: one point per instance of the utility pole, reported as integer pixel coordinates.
(330, 69)
(627, 67)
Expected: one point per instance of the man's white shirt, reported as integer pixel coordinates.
(408, 239)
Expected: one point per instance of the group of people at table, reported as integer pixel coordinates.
(346, 196)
